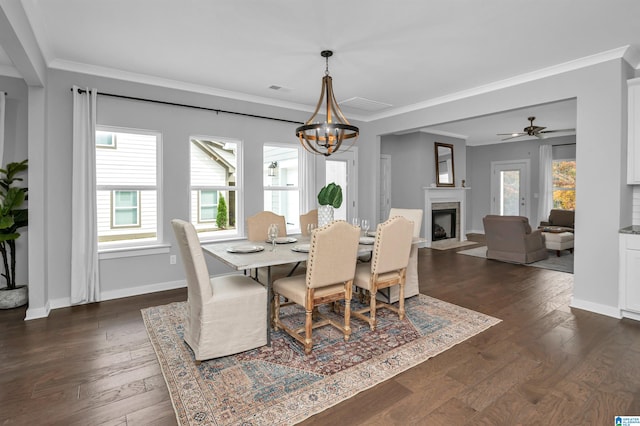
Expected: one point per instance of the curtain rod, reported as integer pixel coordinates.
(564, 144)
(217, 111)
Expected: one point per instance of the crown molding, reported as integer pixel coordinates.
(632, 56)
(9, 71)
(509, 82)
(170, 84)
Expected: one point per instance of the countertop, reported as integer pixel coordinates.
(633, 229)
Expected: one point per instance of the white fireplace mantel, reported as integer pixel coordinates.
(444, 195)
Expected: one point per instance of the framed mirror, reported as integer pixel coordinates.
(445, 175)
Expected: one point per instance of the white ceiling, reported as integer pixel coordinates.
(401, 54)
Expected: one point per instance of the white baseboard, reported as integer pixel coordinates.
(136, 291)
(65, 302)
(475, 231)
(35, 313)
(610, 311)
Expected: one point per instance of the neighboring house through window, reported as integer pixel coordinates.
(214, 186)
(127, 186)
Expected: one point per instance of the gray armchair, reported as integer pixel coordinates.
(510, 239)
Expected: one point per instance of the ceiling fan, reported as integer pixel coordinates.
(531, 130)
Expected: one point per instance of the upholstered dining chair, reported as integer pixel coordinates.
(330, 269)
(305, 219)
(411, 285)
(258, 224)
(388, 267)
(225, 315)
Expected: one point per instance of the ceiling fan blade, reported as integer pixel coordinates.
(559, 130)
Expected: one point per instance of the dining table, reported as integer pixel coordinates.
(245, 255)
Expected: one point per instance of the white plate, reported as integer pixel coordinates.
(367, 240)
(284, 240)
(371, 233)
(245, 249)
(302, 248)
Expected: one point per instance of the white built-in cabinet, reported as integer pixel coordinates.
(630, 275)
(633, 146)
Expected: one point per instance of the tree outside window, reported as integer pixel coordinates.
(564, 184)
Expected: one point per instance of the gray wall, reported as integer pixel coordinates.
(176, 124)
(15, 149)
(413, 165)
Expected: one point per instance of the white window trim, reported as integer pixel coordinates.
(301, 186)
(136, 246)
(239, 188)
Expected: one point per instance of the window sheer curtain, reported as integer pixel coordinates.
(546, 182)
(85, 283)
(3, 107)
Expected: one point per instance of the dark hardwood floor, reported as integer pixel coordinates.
(544, 364)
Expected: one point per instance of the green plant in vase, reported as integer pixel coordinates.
(12, 218)
(329, 197)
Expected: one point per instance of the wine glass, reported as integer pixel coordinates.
(365, 226)
(355, 221)
(272, 234)
(310, 228)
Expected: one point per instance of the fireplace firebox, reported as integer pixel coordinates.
(443, 224)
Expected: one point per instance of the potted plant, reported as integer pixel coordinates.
(329, 197)
(12, 218)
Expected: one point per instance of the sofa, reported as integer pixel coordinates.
(561, 220)
(511, 239)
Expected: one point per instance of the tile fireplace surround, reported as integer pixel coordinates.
(444, 195)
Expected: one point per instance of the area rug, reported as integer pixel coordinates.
(280, 385)
(562, 263)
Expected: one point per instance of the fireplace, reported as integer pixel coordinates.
(439, 199)
(443, 224)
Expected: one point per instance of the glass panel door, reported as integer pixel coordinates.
(509, 188)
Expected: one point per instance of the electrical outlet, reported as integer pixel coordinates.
(172, 259)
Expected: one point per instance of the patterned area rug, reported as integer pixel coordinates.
(280, 385)
(562, 263)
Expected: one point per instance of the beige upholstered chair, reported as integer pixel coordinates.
(258, 224)
(510, 239)
(310, 217)
(330, 269)
(387, 268)
(411, 286)
(225, 315)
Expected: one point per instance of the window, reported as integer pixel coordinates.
(208, 205)
(127, 187)
(214, 186)
(125, 208)
(564, 184)
(281, 179)
(105, 139)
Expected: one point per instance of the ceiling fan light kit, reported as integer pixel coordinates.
(531, 130)
(326, 137)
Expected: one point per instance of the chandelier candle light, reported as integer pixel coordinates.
(326, 138)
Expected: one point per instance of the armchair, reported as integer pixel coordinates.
(510, 239)
(559, 218)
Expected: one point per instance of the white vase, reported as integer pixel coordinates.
(325, 215)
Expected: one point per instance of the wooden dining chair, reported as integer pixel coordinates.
(225, 314)
(387, 268)
(329, 277)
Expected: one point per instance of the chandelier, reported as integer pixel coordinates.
(326, 138)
